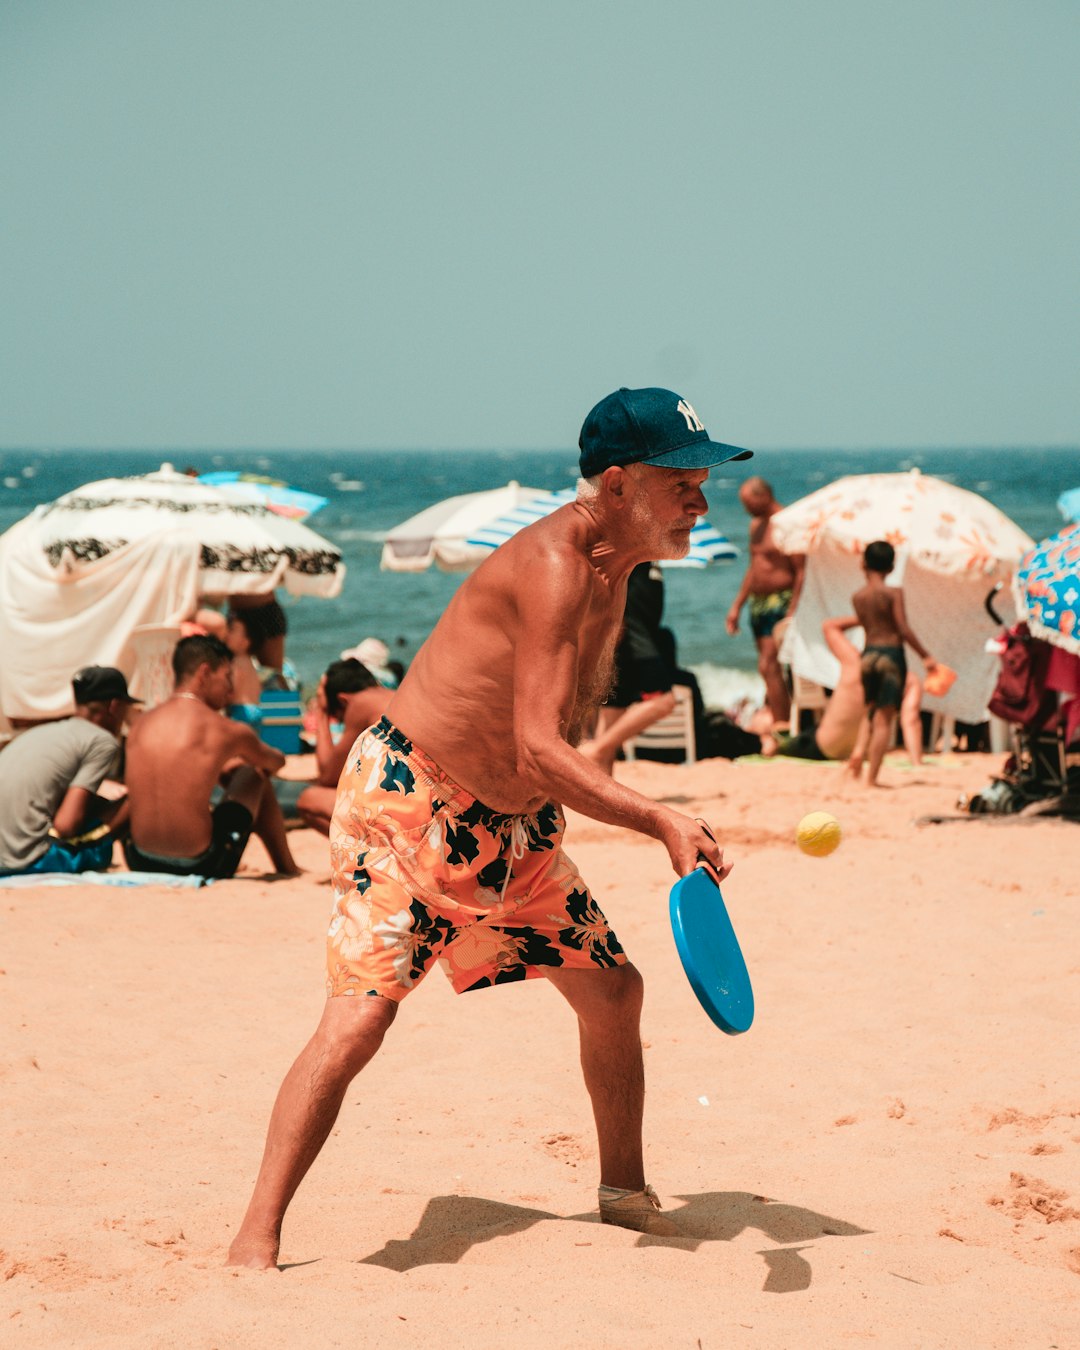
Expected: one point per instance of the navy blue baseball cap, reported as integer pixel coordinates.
(648, 426)
(100, 684)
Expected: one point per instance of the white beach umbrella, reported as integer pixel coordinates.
(242, 547)
(936, 525)
(439, 534)
(952, 546)
(707, 544)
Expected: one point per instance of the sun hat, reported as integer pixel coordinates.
(100, 684)
(649, 426)
(371, 652)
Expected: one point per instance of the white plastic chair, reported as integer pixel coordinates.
(806, 696)
(673, 732)
(153, 645)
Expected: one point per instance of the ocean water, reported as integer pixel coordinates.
(371, 491)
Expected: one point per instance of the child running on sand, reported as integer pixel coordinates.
(880, 610)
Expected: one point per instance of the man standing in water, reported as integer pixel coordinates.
(453, 851)
(772, 583)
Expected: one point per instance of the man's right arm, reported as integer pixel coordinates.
(731, 623)
(325, 747)
(72, 812)
(98, 761)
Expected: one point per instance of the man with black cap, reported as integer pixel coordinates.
(51, 818)
(446, 841)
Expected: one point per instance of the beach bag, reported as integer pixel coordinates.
(1021, 696)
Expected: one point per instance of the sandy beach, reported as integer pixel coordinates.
(890, 1155)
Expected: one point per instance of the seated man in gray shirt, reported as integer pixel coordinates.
(49, 777)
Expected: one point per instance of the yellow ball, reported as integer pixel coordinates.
(818, 833)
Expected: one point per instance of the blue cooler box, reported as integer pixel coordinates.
(282, 720)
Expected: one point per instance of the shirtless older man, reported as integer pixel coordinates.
(178, 753)
(446, 839)
(772, 584)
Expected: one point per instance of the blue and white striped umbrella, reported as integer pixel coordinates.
(707, 545)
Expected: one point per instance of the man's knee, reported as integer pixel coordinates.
(315, 807)
(247, 786)
(768, 657)
(617, 992)
(352, 1029)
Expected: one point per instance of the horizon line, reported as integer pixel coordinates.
(179, 452)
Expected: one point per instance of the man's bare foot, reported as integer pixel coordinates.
(253, 1254)
(854, 767)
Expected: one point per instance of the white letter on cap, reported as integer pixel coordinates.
(693, 421)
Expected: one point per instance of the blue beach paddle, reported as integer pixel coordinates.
(710, 952)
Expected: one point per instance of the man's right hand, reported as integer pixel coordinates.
(690, 842)
(320, 697)
(731, 623)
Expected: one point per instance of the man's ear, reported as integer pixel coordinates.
(614, 480)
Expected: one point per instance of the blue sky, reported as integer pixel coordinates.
(254, 223)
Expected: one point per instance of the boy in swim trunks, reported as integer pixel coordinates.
(446, 841)
(880, 610)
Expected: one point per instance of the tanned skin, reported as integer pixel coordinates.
(498, 697)
(79, 805)
(880, 609)
(179, 751)
(770, 570)
(361, 709)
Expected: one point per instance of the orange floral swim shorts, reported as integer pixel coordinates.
(422, 871)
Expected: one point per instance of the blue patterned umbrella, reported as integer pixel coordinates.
(707, 544)
(1047, 586)
(1069, 504)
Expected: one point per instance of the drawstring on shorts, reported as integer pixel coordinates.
(519, 845)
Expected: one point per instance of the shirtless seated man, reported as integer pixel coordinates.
(447, 836)
(178, 753)
(347, 693)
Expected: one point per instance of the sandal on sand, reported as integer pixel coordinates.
(639, 1210)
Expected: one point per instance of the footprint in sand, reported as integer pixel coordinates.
(564, 1147)
(1031, 1198)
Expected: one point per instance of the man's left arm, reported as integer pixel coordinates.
(99, 761)
(904, 629)
(546, 680)
(241, 742)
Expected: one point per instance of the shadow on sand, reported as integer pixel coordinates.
(452, 1224)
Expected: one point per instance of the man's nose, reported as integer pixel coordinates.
(697, 505)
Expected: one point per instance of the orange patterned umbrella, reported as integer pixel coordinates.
(935, 524)
(951, 545)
